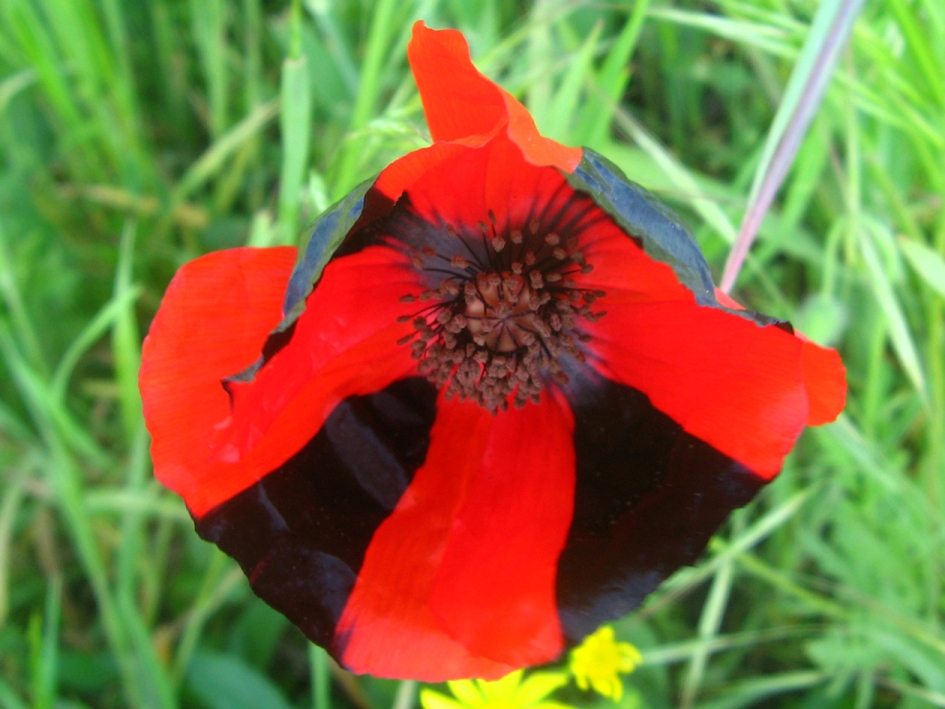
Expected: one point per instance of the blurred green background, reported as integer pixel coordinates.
(137, 135)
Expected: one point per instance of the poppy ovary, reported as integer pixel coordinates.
(507, 312)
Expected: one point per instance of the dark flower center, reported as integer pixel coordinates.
(505, 316)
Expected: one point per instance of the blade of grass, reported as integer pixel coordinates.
(9, 698)
(900, 335)
(681, 651)
(208, 19)
(295, 125)
(709, 624)
(116, 26)
(782, 581)
(156, 688)
(46, 658)
(936, 699)
(37, 394)
(130, 551)
(103, 321)
(65, 480)
(214, 588)
(214, 158)
(772, 40)
(168, 64)
(11, 86)
(321, 677)
(917, 44)
(928, 264)
(406, 697)
(13, 299)
(36, 43)
(252, 44)
(100, 86)
(749, 692)
(335, 43)
(151, 503)
(9, 508)
(537, 49)
(566, 98)
(611, 82)
(809, 80)
(380, 37)
(126, 340)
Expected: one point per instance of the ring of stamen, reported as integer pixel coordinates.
(498, 327)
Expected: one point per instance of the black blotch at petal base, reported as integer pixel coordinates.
(300, 533)
(648, 497)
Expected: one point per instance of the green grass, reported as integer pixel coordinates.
(137, 135)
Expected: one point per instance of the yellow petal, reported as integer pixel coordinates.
(502, 690)
(537, 686)
(467, 692)
(434, 700)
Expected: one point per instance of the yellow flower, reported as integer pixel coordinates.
(510, 692)
(599, 660)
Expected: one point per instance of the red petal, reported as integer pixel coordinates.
(213, 322)
(458, 101)
(824, 374)
(737, 386)
(537, 149)
(493, 181)
(826, 381)
(405, 171)
(460, 580)
(345, 343)
(463, 105)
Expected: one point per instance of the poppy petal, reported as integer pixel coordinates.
(739, 382)
(213, 321)
(462, 105)
(210, 446)
(737, 386)
(491, 186)
(405, 171)
(826, 382)
(824, 373)
(499, 564)
(343, 344)
(648, 497)
(459, 580)
(536, 148)
(459, 103)
(301, 532)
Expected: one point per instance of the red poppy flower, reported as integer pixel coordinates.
(508, 406)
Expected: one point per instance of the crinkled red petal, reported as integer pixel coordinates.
(537, 149)
(458, 101)
(824, 374)
(213, 321)
(345, 343)
(405, 171)
(826, 381)
(737, 386)
(462, 105)
(460, 580)
(493, 182)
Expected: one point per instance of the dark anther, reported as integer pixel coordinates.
(499, 330)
